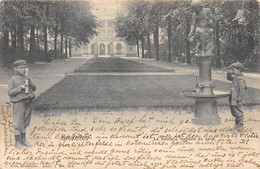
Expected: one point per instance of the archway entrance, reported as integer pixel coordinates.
(102, 49)
(110, 49)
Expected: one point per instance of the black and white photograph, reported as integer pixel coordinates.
(130, 84)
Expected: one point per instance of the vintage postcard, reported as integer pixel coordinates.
(133, 84)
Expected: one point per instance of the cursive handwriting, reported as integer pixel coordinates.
(131, 140)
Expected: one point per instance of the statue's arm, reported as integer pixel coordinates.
(193, 28)
(210, 18)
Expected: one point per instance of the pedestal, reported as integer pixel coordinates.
(206, 112)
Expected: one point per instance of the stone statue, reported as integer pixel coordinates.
(202, 28)
(206, 112)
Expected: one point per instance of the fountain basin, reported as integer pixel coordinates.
(194, 94)
(206, 110)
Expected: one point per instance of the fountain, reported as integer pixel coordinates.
(206, 112)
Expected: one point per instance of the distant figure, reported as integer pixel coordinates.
(238, 90)
(21, 94)
(202, 27)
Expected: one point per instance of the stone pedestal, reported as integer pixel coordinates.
(206, 110)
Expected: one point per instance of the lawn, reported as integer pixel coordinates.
(115, 64)
(126, 91)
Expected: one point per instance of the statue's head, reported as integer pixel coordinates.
(196, 6)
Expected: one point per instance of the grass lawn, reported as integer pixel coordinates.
(150, 91)
(115, 64)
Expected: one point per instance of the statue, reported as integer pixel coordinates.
(202, 28)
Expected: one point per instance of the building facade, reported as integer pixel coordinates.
(106, 42)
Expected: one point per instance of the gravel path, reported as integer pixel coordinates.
(43, 74)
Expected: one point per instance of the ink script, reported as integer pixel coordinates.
(134, 139)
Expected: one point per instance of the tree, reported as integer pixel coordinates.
(183, 16)
(237, 23)
(155, 21)
(23, 19)
(76, 22)
(168, 14)
(134, 25)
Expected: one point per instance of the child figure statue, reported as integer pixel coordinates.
(202, 27)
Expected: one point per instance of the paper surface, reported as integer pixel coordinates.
(129, 138)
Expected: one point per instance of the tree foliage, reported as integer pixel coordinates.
(236, 27)
(37, 27)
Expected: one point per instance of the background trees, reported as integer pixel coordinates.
(168, 23)
(46, 30)
(43, 30)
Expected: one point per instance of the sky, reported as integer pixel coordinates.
(106, 8)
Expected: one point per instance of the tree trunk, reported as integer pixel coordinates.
(32, 45)
(45, 32)
(156, 42)
(20, 34)
(45, 40)
(5, 46)
(66, 47)
(178, 51)
(5, 39)
(137, 43)
(55, 41)
(13, 35)
(252, 6)
(258, 46)
(175, 45)
(70, 55)
(218, 64)
(61, 44)
(149, 44)
(37, 39)
(187, 41)
(251, 41)
(142, 43)
(169, 33)
(61, 40)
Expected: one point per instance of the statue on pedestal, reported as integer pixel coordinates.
(202, 28)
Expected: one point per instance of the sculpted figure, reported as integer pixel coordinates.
(202, 28)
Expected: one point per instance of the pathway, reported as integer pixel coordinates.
(43, 74)
(252, 79)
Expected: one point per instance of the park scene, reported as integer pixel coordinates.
(132, 84)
